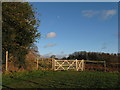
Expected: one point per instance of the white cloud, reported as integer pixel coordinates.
(51, 34)
(104, 14)
(89, 13)
(108, 13)
(49, 45)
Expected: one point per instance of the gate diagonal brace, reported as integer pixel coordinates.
(80, 66)
(71, 65)
(60, 65)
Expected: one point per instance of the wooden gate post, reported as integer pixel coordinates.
(83, 66)
(105, 66)
(76, 65)
(53, 63)
(6, 60)
(37, 63)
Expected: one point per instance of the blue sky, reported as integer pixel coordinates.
(69, 27)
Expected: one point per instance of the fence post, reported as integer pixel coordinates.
(83, 66)
(6, 60)
(76, 65)
(53, 64)
(37, 63)
(105, 65)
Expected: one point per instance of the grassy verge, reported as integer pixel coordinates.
(61, 79)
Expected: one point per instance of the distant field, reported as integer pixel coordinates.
(61, 79)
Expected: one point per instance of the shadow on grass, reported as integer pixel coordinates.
(25, 80)
(19, 79)
(6, 87)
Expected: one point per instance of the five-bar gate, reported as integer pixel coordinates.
(68, 65)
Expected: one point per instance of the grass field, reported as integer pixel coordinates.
(61, 79)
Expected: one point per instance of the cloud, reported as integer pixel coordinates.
(108, 13)
(49, 45)
(104, 14)
(51, 35)
(89, 13)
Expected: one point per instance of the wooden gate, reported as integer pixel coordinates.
(68, 65)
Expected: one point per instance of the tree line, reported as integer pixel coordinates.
(95, 56)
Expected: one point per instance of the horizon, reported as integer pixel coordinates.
(59, 57)
(68, 27)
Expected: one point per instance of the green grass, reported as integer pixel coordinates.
(61, 79)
